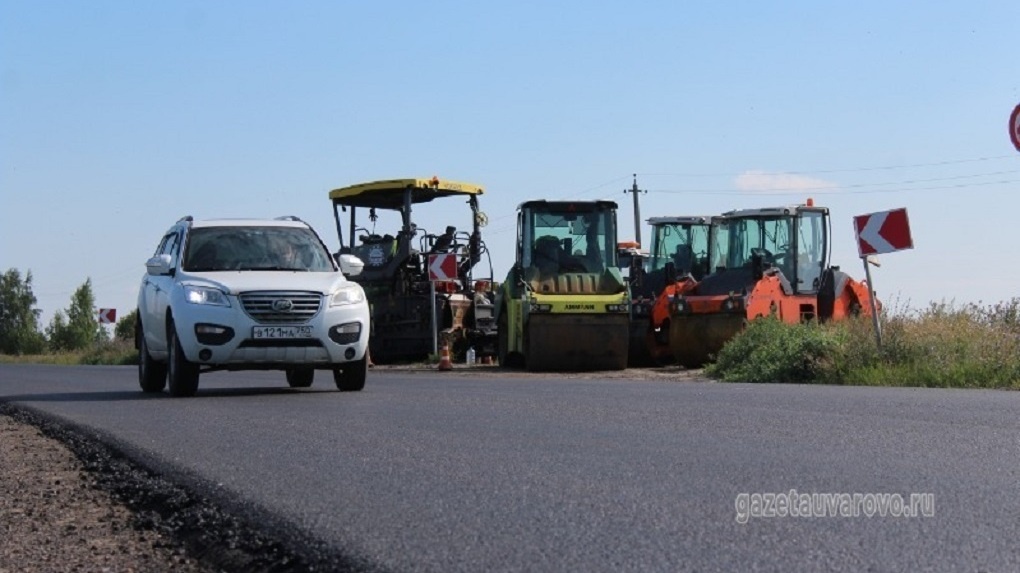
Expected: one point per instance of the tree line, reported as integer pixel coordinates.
(75, 328)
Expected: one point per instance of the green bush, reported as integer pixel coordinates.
(769, 350)
(942, 345)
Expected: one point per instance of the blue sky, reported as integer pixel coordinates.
(118, 118)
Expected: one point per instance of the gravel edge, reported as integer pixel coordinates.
(190, 529)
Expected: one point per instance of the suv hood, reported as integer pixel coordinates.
(236, 282)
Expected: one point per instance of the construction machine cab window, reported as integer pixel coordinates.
(769, 238)
(571, 242)
(683, 244)
(811, 239)
(793, 244)
(719, 238)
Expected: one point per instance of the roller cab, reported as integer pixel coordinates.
(772, 261)
(564, 304)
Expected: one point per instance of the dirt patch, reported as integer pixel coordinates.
(77, 504)
(55, 518)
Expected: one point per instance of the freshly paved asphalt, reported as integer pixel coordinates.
(479, 472)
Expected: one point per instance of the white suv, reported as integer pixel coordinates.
(243, 294)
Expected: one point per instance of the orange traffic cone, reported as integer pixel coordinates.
(444, 358)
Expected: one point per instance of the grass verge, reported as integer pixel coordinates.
(116, 352)
(943, 345)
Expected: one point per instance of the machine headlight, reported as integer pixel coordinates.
(536, 307)
(349, 294)
(205, 295)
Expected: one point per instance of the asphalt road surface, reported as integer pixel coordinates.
(482, 471)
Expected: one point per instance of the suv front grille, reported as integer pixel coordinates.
(281, 307)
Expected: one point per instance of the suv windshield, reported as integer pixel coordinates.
(255, 248)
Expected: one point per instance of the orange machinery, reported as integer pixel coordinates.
(773, 261)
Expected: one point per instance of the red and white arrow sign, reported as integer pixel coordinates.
(883, 232)
(443, 267)
(107, 315)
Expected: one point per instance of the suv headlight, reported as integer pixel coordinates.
(205, 295)
(350, 294)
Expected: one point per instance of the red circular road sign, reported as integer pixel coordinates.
(1014, 127)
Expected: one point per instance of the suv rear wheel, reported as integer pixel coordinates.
(183, 374)
(300, 377)
(351, 377)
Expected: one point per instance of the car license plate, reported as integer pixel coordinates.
(281, 332)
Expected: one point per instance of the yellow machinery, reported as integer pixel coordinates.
(396, 276)
(564, 305)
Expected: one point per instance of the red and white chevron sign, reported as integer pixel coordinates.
(107, 316)
(443, 267)
(883, 232)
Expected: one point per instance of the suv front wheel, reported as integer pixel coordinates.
(183, 374)
(151, 373)
(351, 376)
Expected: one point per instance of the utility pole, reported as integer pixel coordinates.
(637, 210)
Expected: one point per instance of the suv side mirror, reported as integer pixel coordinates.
(158, 265)
(350, 265)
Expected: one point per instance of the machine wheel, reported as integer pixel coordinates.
(151, 374)
(182, 374)
(506, 359)
(351, 377)
(300, 377)
(502, 339)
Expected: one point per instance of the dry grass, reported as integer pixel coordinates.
(942, 345)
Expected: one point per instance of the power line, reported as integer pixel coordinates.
(833, 191)
(844, 170)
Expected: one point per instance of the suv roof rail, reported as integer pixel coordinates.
(187, 218)
(289, 218)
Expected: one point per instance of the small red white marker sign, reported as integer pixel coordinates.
(107, 315)
(443, 267)
(883, 232)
